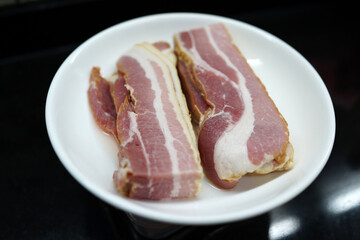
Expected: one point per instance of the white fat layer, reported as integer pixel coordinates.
(144, 56)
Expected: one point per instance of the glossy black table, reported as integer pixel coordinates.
(40, 200)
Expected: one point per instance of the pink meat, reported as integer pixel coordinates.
(156, 158)
(101, 102)
(196, 103)
(119, 92)
(161, 45)
(208, 58)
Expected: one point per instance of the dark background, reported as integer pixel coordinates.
(40, 200)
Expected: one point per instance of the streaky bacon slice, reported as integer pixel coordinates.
(101, 102)
(158, 156)
(241, 130)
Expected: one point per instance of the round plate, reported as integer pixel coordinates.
(91, 156)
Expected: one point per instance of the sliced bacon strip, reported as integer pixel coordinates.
(241, 130)
(101, 102)
(158, 155)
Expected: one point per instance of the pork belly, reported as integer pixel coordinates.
(240, 129)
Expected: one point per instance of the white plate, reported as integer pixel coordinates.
(91, 156)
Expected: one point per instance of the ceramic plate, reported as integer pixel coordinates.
(91, 156)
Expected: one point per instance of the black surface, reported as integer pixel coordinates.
(40, 200)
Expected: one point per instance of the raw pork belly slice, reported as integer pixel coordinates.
(240, 129)
(158, 156)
